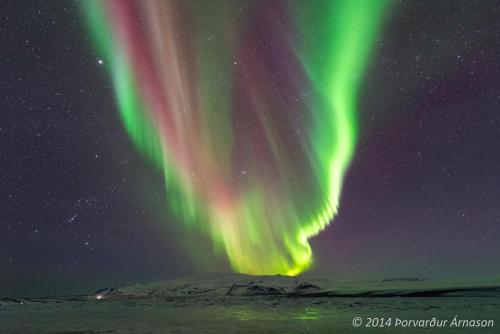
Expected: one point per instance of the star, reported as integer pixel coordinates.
(72, 218)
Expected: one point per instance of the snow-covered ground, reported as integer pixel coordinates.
(229, 303)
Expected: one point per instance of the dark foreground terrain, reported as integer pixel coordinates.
(221, 303)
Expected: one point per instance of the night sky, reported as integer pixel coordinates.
(80, 207)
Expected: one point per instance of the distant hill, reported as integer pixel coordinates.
(219, 285)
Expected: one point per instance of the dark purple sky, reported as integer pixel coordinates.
(79, 208)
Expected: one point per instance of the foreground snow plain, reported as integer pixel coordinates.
(231, 303)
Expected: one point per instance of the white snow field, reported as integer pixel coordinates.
(232, 303)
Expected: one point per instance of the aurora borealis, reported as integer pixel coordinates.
(248, 110)
(92, 192)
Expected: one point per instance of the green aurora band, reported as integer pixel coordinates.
(254, 150)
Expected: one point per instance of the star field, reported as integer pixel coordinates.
(80, 208)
